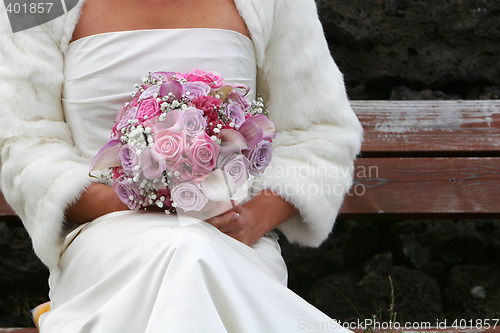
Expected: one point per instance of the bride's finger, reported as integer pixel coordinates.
(228, 229)
(223, 220)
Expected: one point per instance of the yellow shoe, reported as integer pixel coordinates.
(38, 311)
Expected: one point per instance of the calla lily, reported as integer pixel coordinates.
(243, 87)
(152, 163)
(232, 141)
(173, 87)
(107, 157)
(268, 130)
(123, 109)
(162, 75)
(150, 92)
(218, 186)
(173, 121)
(251, 132)
(257, 128)
(121, 113)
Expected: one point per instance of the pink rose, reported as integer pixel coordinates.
(148, 109)
(203, 152)
(170, 144)
(199, 75)
(185, 170)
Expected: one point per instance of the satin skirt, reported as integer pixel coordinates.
(129, 272)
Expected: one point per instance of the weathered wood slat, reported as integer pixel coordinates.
(425, 186)
(430, 126)
(4, 207)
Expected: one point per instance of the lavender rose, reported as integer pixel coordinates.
(194, 122)
(236, 113)
(189, 196)
(236, 165)
(237, 96)
(259, 157)
(128, 158)
(193, 90)
(127, 192)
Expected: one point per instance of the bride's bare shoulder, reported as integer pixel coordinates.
(99, 16)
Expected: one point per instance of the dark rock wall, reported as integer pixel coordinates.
(440, 269)
(387, 49)
(23, 278)
(450, 46)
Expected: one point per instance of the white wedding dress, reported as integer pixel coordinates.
(135, 272)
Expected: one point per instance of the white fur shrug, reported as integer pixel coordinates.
(318, 135)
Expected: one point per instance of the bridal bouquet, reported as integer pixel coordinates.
(186, 140)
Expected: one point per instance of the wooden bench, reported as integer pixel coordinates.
(432, 159)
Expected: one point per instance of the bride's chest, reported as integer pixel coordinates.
(99, 16)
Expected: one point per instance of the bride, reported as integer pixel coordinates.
(116, 270)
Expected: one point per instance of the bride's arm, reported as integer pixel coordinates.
(96, 200)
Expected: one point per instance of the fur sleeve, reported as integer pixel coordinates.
(318, 135)
(41, 170)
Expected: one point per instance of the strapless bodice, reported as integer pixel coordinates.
(100, 71)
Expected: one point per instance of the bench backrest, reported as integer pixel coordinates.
(427, 158)
(422, 158)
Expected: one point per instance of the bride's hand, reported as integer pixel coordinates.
(252, 220)
(97, 200)
(240, 223)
